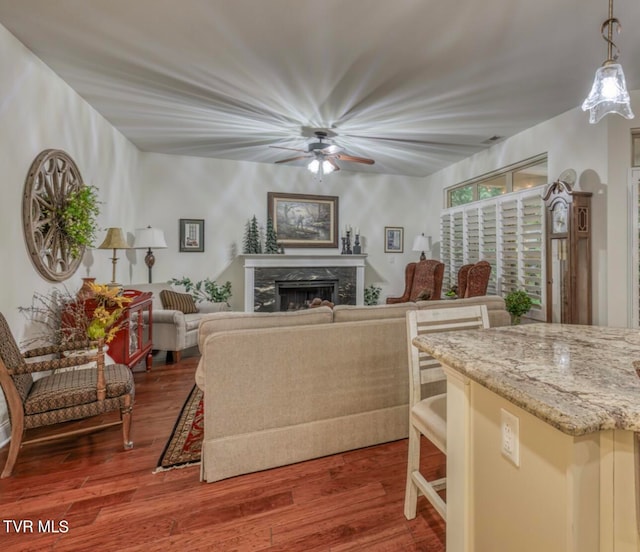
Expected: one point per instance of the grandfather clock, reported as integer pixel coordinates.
(568, 252)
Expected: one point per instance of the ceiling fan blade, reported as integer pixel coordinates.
(292, 149)
(354, 159)
(333, 163)
(292, 158)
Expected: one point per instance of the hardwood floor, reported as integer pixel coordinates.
(102, 498)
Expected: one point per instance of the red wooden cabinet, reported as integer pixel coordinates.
(134, 340)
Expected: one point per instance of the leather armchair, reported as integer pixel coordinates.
(478, 279)
(421, 277)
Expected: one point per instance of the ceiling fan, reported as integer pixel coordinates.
(323, 155)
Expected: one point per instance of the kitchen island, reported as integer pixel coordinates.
(541, 442)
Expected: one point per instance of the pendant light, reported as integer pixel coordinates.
(609, 91)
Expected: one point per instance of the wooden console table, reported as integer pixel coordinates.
(133, 342)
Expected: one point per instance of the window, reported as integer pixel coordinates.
(508, 232)
(520, 176)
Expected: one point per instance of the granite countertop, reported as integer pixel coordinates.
(579, 379)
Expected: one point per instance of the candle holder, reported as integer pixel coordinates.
(349, 252)
(344, 245)
(357, 248)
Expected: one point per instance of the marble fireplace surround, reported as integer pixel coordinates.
(262, 271)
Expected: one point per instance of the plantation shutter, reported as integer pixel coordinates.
(508, 265)
(445, 249)
(532, 250)
(472, 250)
(489, 244)
(457, 244)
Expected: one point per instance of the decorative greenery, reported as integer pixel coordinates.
(110, 304)
(205, 290)
(58, 317)
(271, 241)
(517, 303)
(78, 217)
(372, 294)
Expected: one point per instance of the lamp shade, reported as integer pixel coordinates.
(421, 243)
(114, 240)
(608, 94)
(149, 238)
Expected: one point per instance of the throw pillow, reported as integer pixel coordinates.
(172, 300)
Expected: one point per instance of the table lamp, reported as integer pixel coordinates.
(114, 240)
(147, 238)
(422, 243)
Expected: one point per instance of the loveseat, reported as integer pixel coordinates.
(173, 330)
(280, 388)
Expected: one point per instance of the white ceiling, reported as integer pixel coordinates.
(414, 84)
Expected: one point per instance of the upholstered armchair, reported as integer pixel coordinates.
(71, 389)
(463, 276)
(477, 280)
(175, 328)
(422, 280)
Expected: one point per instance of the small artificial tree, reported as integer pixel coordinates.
(271, 242)
(245, 241)
(251, 242)
(517, 303)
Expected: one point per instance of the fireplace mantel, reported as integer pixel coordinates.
(253, 262)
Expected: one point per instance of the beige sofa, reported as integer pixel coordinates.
(280, 388)
(174, 331)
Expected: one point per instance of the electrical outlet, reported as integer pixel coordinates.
(510, 430)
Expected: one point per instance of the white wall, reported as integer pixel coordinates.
(39, 111)
(228, 193)
(601, 156)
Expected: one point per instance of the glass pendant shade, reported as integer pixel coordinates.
(325, 167)
(608, 94)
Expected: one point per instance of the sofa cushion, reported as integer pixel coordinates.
(192, 321)
(234, 320)
(353, 313)
(172, 300)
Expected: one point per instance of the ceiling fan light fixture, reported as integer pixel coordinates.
(324, 167)
(609, 91)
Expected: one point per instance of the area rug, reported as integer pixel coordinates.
(185, 444)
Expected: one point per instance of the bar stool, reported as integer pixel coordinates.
(428, 416)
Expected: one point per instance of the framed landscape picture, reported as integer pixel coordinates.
(192, 235)
(302, 220)
(393, 239)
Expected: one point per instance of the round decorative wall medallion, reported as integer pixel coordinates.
(53, 176)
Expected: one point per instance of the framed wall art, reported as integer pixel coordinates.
(192, 235)
(302, 220)
(393, 239)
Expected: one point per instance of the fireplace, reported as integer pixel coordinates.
(300, 293)
(343, 274)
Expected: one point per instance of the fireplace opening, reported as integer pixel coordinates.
(298, 294)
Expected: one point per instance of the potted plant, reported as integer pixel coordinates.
(205, 290)
(517, 303)
(372, 294)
